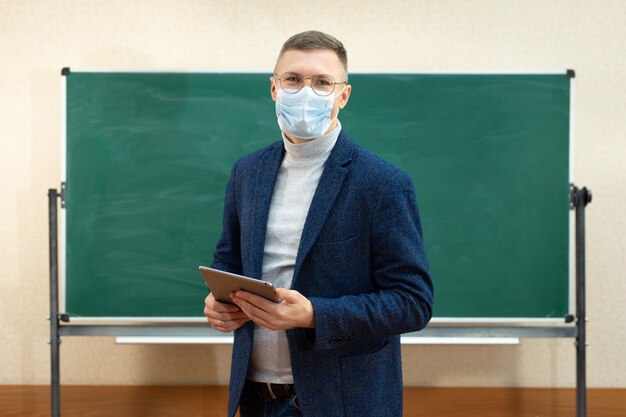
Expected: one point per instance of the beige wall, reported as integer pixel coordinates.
(37, 38)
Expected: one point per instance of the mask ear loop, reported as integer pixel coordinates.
(341, 91)
(337, 116)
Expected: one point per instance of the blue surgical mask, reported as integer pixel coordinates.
(304, 114)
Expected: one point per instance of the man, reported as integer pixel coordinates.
(337, 231)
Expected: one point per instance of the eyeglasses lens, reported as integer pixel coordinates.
(323, 85)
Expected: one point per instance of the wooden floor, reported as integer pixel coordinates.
(192, 401)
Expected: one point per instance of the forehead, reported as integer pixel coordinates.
(310, 62)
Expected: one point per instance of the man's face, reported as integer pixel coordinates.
(312, 62)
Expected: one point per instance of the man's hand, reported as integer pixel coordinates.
(223, 317)
(294, 311)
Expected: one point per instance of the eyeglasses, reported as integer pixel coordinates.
(322, 85)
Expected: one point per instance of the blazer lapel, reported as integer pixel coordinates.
(266, 174)
(334, 173)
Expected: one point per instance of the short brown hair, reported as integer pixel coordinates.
(313, 39)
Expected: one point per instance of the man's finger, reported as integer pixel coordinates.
(227, 325)
(262, 303)
(291, 296)
(239, 314)
(256, 313)
(225, 307)
(230, 316)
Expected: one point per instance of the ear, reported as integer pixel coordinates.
(273, 88)
(345, 96)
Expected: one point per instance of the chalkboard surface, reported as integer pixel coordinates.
(148, 156)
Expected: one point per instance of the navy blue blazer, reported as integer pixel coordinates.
(361, 263)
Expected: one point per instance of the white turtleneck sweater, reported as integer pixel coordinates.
(297, 180)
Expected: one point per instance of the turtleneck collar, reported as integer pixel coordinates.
(314, 149)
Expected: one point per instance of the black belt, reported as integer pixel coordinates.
(271, 391)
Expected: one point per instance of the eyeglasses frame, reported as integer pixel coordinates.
(279, 77)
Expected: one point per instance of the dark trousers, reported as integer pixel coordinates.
(252, 405)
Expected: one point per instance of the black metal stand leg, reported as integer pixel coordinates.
(580, 198)
(54, 305)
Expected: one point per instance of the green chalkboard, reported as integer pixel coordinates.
(148, 156)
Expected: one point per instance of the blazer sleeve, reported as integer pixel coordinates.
(403, 297)
(227, 255)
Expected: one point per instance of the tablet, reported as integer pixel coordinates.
(221, 284)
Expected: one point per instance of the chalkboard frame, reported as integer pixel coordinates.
(450, 320)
